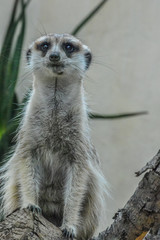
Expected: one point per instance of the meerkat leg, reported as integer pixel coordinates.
(29, 194)
(10, 193)
(19, 185)
(92, 205)
(89, 216)
(71, 218)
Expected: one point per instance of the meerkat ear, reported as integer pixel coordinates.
(88, 58)
(28, 55)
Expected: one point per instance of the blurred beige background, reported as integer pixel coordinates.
(124, 77)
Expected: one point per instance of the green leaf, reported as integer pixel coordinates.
(88, 17)
(5, 52)
(9, 67)
(7, 47)
(116, 116)
(15, 62)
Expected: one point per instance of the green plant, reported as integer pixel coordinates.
(9, 67)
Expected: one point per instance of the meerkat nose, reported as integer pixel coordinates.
(54, 57)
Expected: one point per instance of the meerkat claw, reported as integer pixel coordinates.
(68, 233)
(35, 209)
(72, 236)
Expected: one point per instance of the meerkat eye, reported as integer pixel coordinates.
(44, 46)
(69, 48)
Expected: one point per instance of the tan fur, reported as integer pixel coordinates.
(55, 167)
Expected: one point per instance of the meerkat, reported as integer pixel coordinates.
(54, 169)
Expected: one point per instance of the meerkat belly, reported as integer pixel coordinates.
(52, 184)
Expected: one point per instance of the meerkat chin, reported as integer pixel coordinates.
(54, 168)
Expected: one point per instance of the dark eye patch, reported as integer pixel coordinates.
(70, 48)
(44, 46)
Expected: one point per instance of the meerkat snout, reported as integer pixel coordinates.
(54, 57)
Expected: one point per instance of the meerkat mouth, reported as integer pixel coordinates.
(57, 68)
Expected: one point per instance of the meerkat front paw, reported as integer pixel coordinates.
(68, 231)
(35, 209)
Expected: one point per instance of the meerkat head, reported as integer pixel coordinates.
(59, 55)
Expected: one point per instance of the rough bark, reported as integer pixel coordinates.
(24, 225)
(140, 217)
